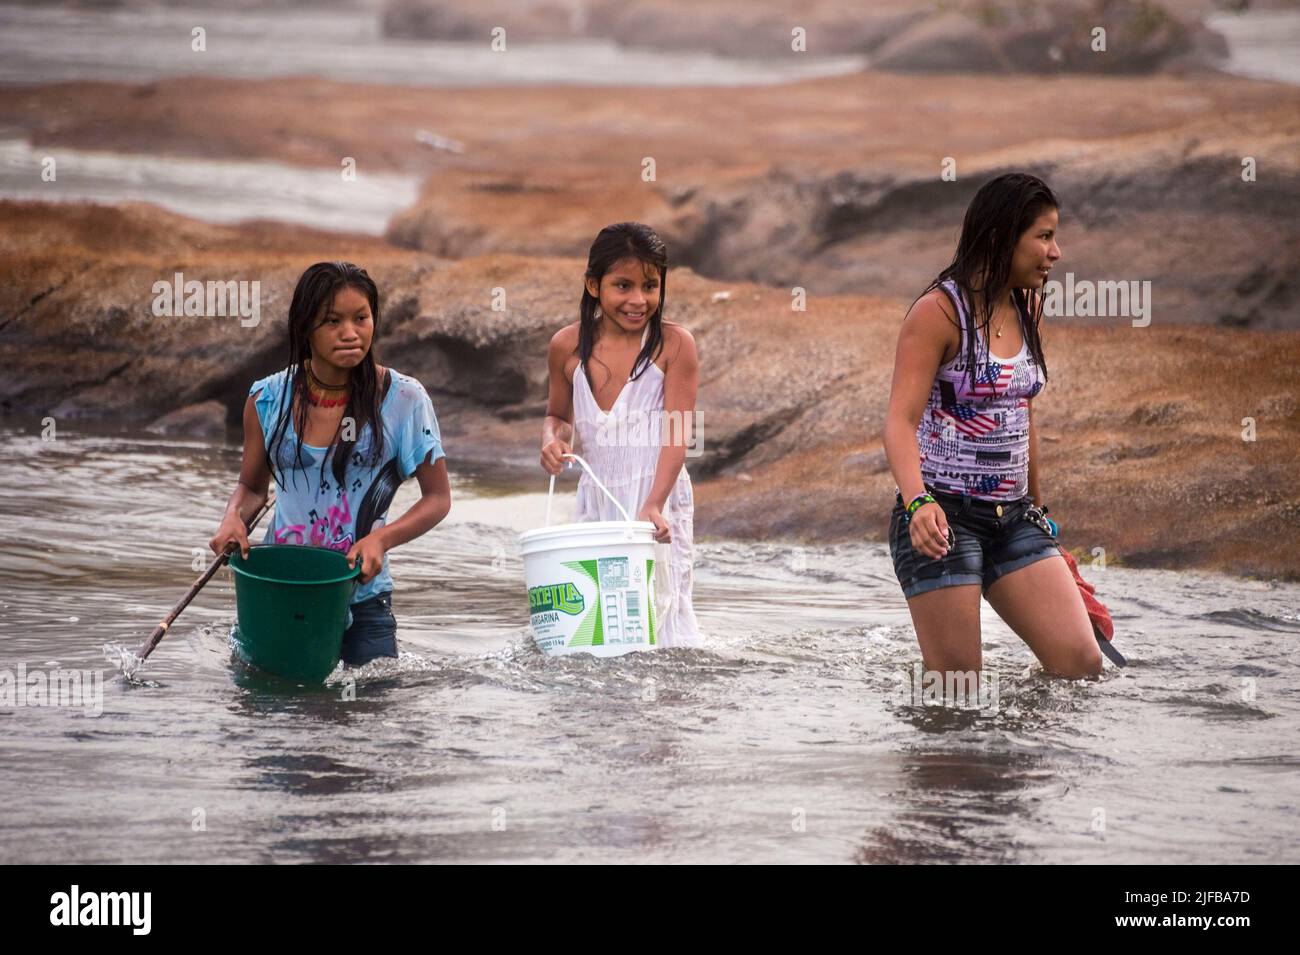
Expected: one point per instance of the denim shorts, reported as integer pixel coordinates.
(988, 545)
(372, 632)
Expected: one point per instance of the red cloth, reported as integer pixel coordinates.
(1097, 613)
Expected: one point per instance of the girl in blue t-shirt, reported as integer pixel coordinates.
(313, 427)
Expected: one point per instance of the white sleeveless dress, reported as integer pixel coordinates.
(622, 446)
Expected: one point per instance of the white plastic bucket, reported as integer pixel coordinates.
(591, 585)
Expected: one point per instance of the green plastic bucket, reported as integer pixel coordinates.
(293, 608)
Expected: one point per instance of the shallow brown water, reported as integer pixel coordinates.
(784, 740)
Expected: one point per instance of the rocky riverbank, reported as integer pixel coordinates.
(836, 185)
(850, 189)
(960, 36)
(1142, 428)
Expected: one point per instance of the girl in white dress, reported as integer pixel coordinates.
(625, 380)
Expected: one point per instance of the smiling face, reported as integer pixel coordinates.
(342, 335)
(1036, 252)
(628, 294)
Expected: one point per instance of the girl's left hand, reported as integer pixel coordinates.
(652, 514)
(370, 551)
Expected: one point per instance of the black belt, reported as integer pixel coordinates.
(965, 504)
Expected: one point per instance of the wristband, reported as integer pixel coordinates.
(918, 502)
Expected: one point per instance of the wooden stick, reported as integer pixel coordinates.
(160, 631)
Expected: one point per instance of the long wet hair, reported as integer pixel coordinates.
(311, 300)
(1002, 210)
(614, 243)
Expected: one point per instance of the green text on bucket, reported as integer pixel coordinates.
(565, 598)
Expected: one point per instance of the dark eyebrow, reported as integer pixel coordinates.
(363, 308)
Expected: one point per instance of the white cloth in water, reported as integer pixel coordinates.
(622, 446)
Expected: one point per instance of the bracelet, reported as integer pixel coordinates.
(918, 502)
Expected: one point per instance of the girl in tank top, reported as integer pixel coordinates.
(960, 437)
(622, 387)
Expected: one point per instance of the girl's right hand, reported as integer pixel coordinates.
(929, 529)
(232, 530)
(552, 456)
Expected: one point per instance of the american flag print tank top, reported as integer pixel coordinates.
(974, 439)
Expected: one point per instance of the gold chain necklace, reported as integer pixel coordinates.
(1004, 321)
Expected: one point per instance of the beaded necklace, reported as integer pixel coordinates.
(322, 395)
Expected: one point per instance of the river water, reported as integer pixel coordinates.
(52, 44)
(58, 44)
(214, 190)
(786, 739)
(1262, 44)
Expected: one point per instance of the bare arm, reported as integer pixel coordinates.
(426, 513)
(251, 491)
(557, 428)
(927, 336)
(421, 517)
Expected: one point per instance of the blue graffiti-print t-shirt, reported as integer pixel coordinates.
(309, 509)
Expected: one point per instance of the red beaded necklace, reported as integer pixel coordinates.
(322, 395)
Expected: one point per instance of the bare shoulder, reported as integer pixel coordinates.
(679, 343)
(563, 349)
(934, 308)
(933, 318)
(566, 338)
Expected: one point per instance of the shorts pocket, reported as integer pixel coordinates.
(896, 526)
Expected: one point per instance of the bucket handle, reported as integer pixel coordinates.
(591, 474)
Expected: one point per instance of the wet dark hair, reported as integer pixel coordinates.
(614, 243)
(311, 299)
(1002, 210)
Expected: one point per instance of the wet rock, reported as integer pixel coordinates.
(1141, 36)
(790, 418)
(205, 419)
(948, 43)
(753, 29)
(977, 36)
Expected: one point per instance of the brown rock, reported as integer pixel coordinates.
(206, 419)
(1150, 464)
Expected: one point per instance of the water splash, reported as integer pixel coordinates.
(383, 668)
(124, 658)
